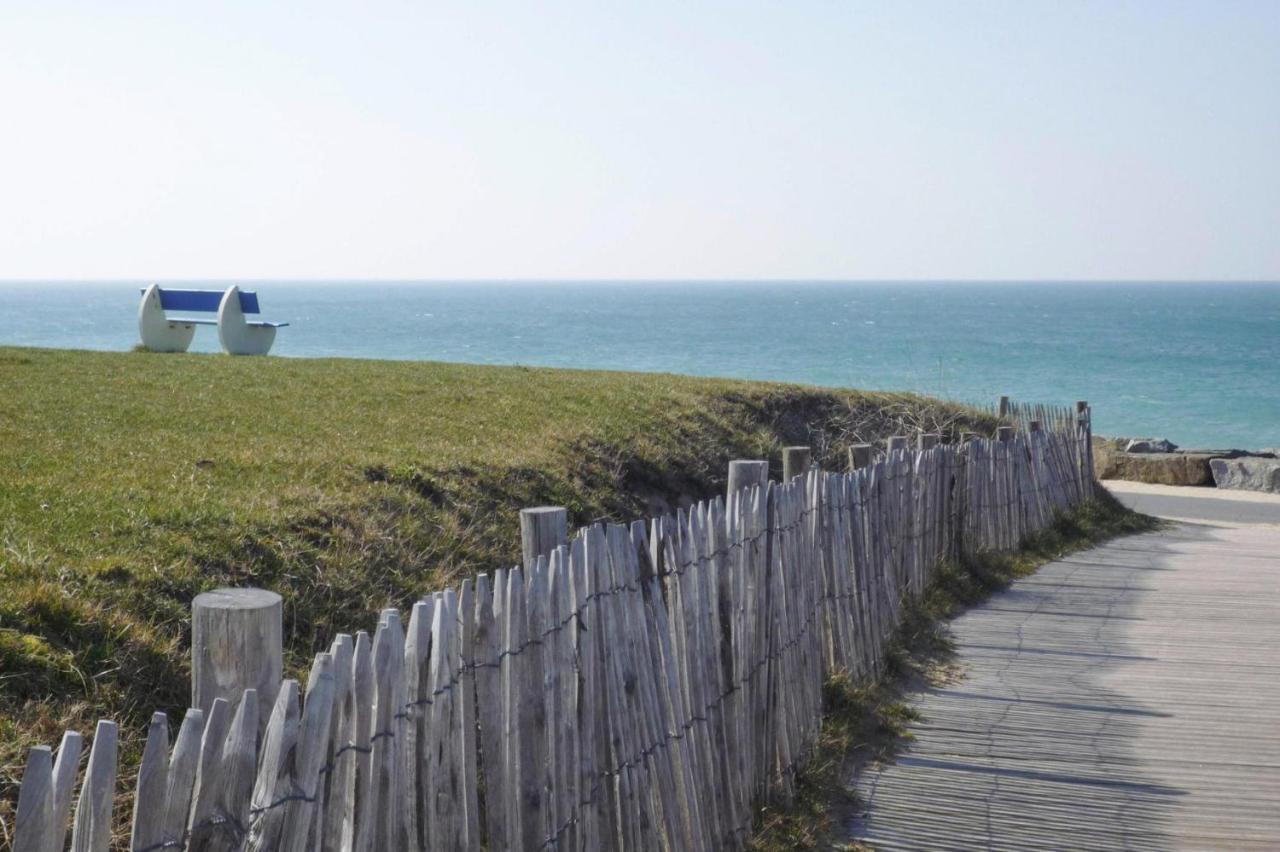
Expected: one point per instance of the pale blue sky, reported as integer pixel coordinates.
(652, 140)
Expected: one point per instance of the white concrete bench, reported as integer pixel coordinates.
(238, 335)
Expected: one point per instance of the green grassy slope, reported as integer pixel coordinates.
(129, 482)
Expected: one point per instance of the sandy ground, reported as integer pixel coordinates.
(1201, 505)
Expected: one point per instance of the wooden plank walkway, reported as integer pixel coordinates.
(1127, 697)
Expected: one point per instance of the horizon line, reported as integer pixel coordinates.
(605, 280)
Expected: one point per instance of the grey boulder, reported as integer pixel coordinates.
(1150, 445)
(1247, 474)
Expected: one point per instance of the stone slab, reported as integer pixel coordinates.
(1158, 468)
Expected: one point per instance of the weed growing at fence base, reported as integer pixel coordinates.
(867, 722)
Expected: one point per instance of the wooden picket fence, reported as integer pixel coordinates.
(1021, 414)
(642, 687)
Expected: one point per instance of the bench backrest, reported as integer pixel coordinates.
(203, 300)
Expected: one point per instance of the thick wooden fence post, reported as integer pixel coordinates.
(1084, 418)
(1004, 407)
(795, 461)
(1004, 433)
(1033, 426)
(859, 456)
(928, 440)
(897, 442)
(542, 530)
(744, 473)
(236, 644)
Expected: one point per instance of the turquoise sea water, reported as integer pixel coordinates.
(1196, 363)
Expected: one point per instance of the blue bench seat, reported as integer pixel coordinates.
(259, 323)
(208, 300)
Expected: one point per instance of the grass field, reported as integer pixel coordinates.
(129, 482)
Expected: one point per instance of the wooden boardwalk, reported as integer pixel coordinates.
(1127, 697)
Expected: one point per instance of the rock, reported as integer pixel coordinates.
(1231, 454)
(1156, 468)
(1150, 445)
(1247, 474)
(1217, 454)
(1103, 450)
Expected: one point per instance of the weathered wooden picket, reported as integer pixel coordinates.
(640, 687)
(1052, 417)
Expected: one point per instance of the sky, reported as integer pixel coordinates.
(837, 140)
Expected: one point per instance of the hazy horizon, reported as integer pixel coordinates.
(1153, 359)
(980, 142)
(340, 281)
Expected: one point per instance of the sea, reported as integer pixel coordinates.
(1198, 364)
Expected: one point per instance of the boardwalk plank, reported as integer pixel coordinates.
(1123, 697)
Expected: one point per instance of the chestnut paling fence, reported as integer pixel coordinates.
(1023, 413)
(641, 687)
